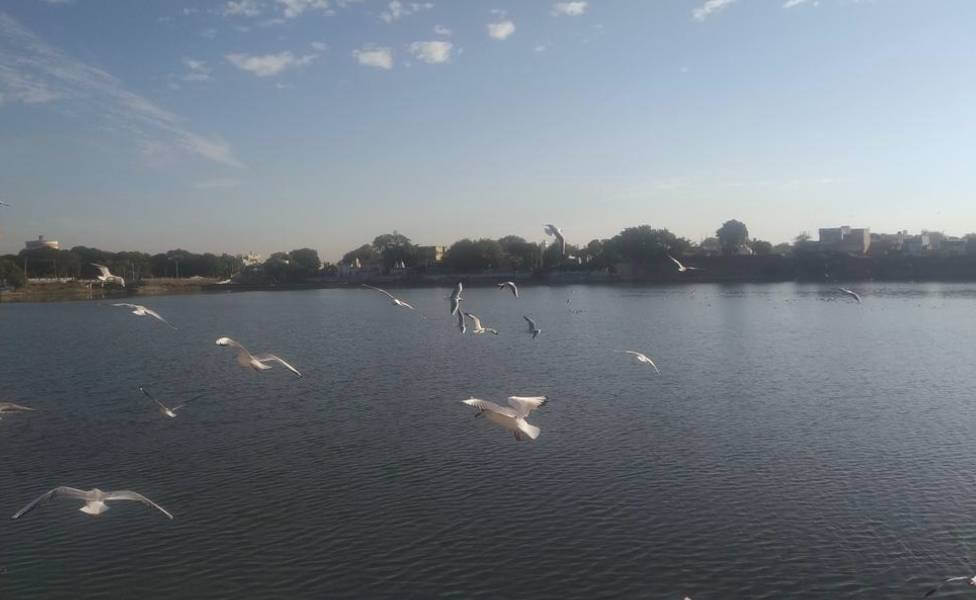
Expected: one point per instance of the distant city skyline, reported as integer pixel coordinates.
(268, 125)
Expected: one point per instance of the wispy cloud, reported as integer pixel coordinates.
(294, 8)
(792, 3)
(569, 9)
(441, 30)
(501, 29)
(320, 46)
(711, 6)
(269, 64)
(432, 52)
(218, 184)
(241, 8)
(374, 56)
(32, 71)
(397, 10)
(197, 70)
(59, 1)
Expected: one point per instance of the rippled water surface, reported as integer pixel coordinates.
(796, 445)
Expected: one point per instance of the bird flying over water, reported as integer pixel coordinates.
(395, 300)
(510, 285)
(6, 407)
(94, 500)
(971, 580)
(478, 328)
(165, 410)
(106, 275)
(535, 331)
(643, 358)
(556, 233)
(456, 299)
(142, 311)
(511, 417)
(246, 359)
(682, 268)
(850, 293)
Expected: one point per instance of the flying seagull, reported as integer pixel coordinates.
(511, 417)
(6, 407)
(396, 301)
(165, 410)
(142, 311)
(555, 232)
(106, 275)
(682, 268)
(535, 331)
(456, 299)
(850, 293)
(642, 358)
(94, 499)
(2, 203)
(510, 285)
(460, 323)
(478, 329)
(971, 580)
(246, 359)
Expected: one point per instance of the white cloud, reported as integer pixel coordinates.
(441, 30)
(501, 30)
(32, 71)
(540, 48)
(702, 12)
(320, 46)
(433, 52)
(792, 3)
(218, 184)
(198, 70)
(241, 8)
(269, 64)
(294, 8)
(569, 9)
(396, 9)
(373, 56)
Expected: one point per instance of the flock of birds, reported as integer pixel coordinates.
(511, 418)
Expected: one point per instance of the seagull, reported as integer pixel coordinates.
(6, 407)
(535, 331)
(555, 232)
(510, 285)
(456, 298)
(478, 329)
(246, 359)
(460, 322)
(165, 410)
(396, 300)
(850, 293)
(107, 275)
(142, 311)
(511, 417)
(2, 203)
(642, 358)
(94, 499)
(971, 580)
(682, 268)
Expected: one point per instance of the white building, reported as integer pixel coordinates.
(40, 242)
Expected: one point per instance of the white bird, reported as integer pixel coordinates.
(456, 298)
(682, 268)
(225, 282)
(535, 331)
(555, 232)
(511, 417)
(165, 410)
(460, 323)
(106, 275)
(395, 300)
(850, 293)
(510, 285)
(246, 359)
(2, 203)
(94, 499)
(970, 580)
(6, 407)
(142, 311)
(643, 358)
(478, 329)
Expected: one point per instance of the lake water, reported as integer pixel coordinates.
(796, 445)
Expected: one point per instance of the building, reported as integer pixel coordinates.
(40, 242)
(917, 245)
(429, 255)
(953, 246)
(845, 239)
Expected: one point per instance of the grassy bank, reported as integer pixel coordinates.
(56, 291)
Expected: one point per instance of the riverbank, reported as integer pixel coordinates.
(63, 291)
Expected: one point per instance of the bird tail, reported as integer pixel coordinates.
(530, 430)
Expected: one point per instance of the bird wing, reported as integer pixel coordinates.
(402, 303)
(940, 586)
(127, 495)
(524, 405)
(67, 492)
(477, 321)
(455, 305)
(676, 261)
(379, 290)
(491, 406)
(11, 406)
(127, 305)
(531, 322)
(178, 407)
(156, 315)
(460, 323)
(271, 357)
(103, 269)
(150, 396)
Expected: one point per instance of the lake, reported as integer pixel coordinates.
(795, 445)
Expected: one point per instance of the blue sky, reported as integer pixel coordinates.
(264, 125)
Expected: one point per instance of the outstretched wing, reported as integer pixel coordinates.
(524, 405)
(67, 492)
(11, 406)
(477, 321)
(127, 305)
(151, 397)
(263, 358)
(156, 315)
(531, 322)
(136, 497)
(491, 407)
(379, 290)
(460, 322)
(103, 269)
(941, 585)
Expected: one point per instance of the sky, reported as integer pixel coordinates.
(267, 125)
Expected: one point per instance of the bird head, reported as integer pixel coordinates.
(224, 341)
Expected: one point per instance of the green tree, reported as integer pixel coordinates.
(365, 253)
(394, 248)
(761, 247)
(732, 235)
(519, 254)
(469, 256)
(644, 244)
(11, 273)
(306, 260)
